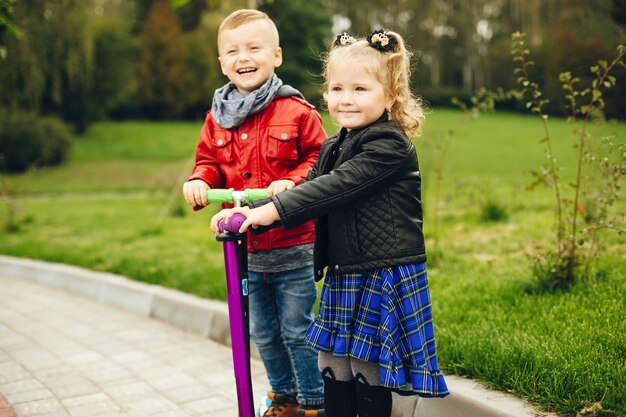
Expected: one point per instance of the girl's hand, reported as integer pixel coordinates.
(260, 216)
(279, 186)
(224, 214)
(195, 192)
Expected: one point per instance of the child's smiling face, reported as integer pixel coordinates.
(355, 98)
(248, 55)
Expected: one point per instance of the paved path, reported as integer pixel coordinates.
(80, 343)
(64, 355)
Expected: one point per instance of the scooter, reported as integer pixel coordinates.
(236, 264)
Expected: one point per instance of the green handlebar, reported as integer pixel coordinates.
(254, 194)
(220, 195)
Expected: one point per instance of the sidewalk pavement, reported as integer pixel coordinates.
(79, 343)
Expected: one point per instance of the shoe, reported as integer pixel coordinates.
(307, 412)
(283, 405)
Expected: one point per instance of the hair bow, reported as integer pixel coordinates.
(380, 40)
(343, 39)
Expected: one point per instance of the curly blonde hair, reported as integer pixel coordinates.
(392, 68)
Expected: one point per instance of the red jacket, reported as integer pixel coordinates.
(280, 142)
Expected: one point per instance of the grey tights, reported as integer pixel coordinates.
(346, 368)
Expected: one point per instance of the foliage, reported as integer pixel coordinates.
(159, 63)
(27, 140)
(440, 96)
(74, 58)
(70, 61)
(7, 27)
(304, 29)
(163, 79)
(598, 174)
(582, 105)
(492, 210)
(435, 166)
(203, 69)
(573, 49)
(114, 51)
(177, 67)
(463, 46)
(49, 68)
(15, 217)
(56, 141)
(190, 12)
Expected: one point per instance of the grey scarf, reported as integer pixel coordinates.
(230, 108)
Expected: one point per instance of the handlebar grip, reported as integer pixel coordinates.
(253, 194)
(219, 195)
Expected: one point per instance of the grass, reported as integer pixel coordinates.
(116, 206)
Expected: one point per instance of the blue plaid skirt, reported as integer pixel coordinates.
(382, 315)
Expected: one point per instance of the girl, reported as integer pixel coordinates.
(374, 331)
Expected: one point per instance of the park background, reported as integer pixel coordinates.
(102, 101)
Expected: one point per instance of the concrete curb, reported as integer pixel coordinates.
(194, 314)
(210, 319)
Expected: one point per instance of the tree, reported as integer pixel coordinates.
(114, 53)
(49, 68)
(305, 32)
(463, 45)
(162, 79)
(190, 12)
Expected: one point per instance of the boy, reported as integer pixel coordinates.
(260, 133)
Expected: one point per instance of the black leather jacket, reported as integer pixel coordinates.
(365, 194)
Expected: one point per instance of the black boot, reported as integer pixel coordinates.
(372, 401)
(339, 396)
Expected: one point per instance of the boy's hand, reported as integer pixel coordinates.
(195, 192)
(279, 186)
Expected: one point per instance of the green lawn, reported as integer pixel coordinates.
(116, 206)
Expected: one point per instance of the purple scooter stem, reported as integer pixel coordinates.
(235, 260)
(236, 263)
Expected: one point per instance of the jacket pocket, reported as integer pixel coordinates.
(283, 143)
(222, 142)
(354, 244)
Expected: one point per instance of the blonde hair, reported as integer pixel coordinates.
(391, 68)
(243, 16)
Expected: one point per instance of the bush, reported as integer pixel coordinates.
(57, 141)
(27, 140)
(442, 96)
(493, 211)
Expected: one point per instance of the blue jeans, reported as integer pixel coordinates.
(281, 309)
